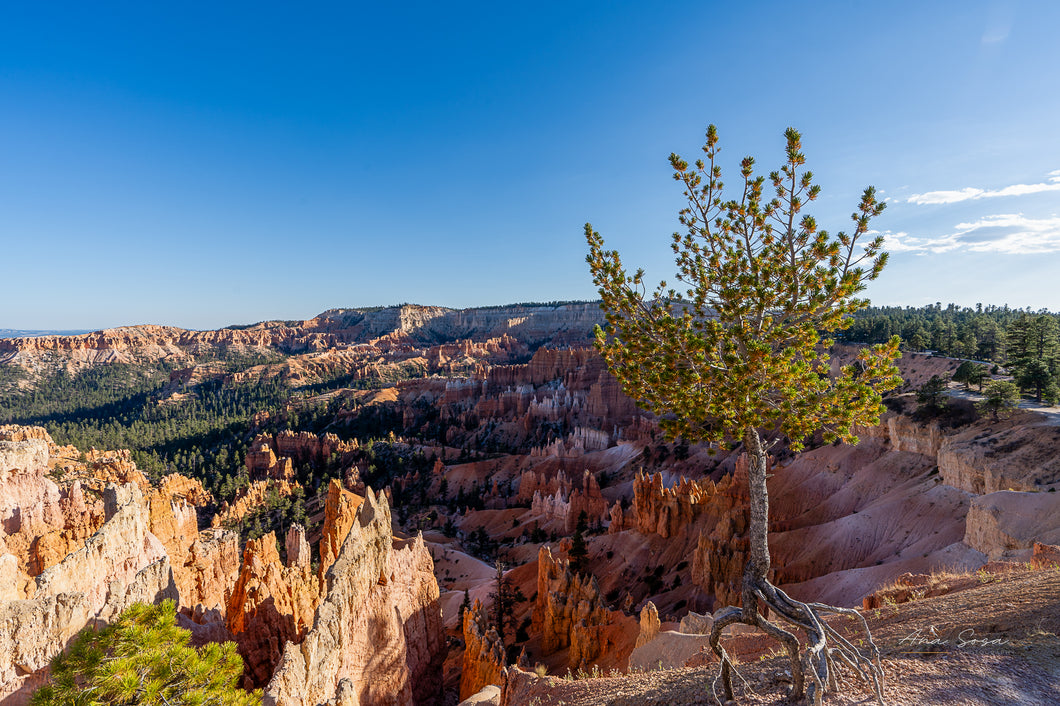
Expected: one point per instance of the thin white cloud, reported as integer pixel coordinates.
(903, 242)
(996, 34)
(934, 197)
(999, 18)
(974, 194)
(1012, 234)
(1005, 233)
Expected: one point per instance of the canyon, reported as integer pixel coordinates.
(498, 436)
(129, 540)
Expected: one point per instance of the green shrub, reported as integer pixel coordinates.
(143, 659)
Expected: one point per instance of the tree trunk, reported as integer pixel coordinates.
(758, 532)
(823, 644)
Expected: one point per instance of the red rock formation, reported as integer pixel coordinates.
(170, 507)
(569, 611)
(669, 511)
(340, 512)
(339, 340)
(721, 553)
(533, 483)
(380, 617)
(40, 547)
(120, 564)
(306, 447)
(271, 604)
(1015, 454)
(649, 624)
(377, 635)
(250, 498)
(55, 519)
(1045, 556)
(483, 661)
(29, 501)
(274, 456)
(212, 567)
(262, 463)
(1001, 523)
(566, 504)
(45, 536)
(174, 521)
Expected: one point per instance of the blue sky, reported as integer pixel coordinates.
(203, 164)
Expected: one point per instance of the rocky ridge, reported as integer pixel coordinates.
(484, 661)
(367, 606)
(569, 612)
(406, 329)
(120, 563)
(145, 546)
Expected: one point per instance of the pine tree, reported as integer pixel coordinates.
(1001, 396)
(578, 551)
(968, 373)
(466, 604)
(737, 356)
(932, 393)
(504, 597)
(1034, 351)
(143, 658)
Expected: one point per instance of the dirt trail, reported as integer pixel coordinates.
(1051, 415)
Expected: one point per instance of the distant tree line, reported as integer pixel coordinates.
(1023, 341)
(203, 434)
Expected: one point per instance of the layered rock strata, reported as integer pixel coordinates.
(569, 611)
(377, 636)
(376, 609)
(272, 603)
(483, 661)
(120, 564)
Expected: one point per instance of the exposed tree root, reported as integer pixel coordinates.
(817, 669)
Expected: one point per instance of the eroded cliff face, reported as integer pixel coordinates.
(1010, 523)
(1014, 454)
(274, 455)
(248, 498)
(361, 342)
(271, 603)
(78, 550)
(378, 630)
(985, 456)
(671, 511)
(212, 567)
(376, 609)
(119, 564)
(29, 500)
(722, 548)
(569, 612)
(340, 514)
(566, 504)
(50, 504)
(483, 661)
